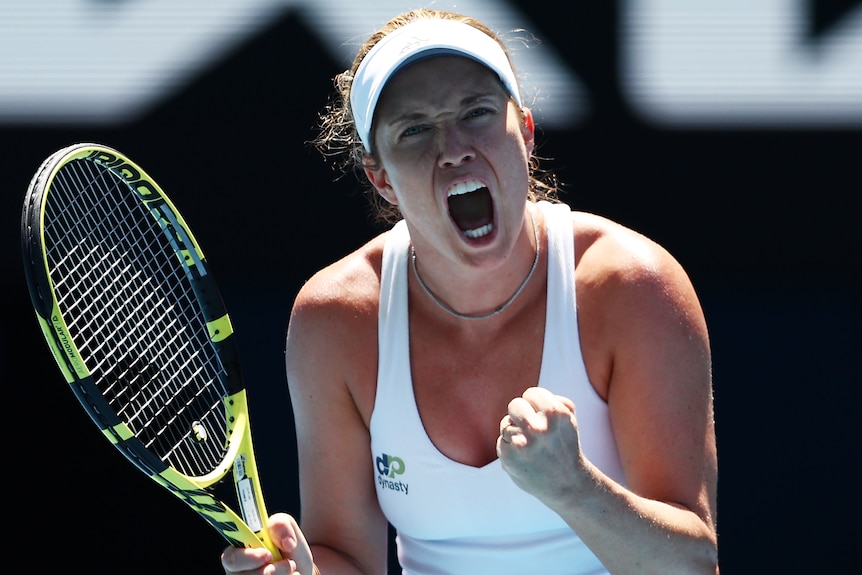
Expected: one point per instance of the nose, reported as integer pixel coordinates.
(454, 149)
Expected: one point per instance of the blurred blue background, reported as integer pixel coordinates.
(729, 131)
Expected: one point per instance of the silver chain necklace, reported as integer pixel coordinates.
(497, 310)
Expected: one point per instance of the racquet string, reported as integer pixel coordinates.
(133, 315)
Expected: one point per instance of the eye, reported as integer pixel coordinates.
(413, 130)
(477, 112)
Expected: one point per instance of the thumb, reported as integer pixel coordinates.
(287, 535)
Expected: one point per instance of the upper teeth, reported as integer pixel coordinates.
(465, 187)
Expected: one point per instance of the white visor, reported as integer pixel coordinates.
(421, 39)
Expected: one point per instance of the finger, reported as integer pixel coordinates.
(541, 399)
(568, 403)
(285, 531)
(238, 559)
(530, 411)
(500, 443)
(505, 422)
(510, 436)
(520, 412)
(509, 429)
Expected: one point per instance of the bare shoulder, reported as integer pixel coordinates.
(631, 293)
(348, 286)
(609, 251)
(332, 335)
(613, 260)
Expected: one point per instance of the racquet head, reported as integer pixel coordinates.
(135, 321)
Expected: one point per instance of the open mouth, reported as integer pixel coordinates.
(471, 208)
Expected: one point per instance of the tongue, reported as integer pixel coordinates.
(472, 210)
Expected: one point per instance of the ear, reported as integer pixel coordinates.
(528, 129)
(380, 180)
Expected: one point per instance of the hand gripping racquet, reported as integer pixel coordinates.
(136, 323)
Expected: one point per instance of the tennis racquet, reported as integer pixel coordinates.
(136, 323)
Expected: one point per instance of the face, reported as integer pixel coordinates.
(452, 153)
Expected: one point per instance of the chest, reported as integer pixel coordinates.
(463, 383)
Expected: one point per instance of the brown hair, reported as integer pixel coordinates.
(338, 140)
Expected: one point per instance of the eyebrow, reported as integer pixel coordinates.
(466, 101)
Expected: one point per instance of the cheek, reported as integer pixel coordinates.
(514, 147)
(409, 171)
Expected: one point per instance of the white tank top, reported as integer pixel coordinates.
(453, 518)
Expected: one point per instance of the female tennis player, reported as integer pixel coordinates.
(515, 386)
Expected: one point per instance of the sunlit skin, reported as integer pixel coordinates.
(642, 334)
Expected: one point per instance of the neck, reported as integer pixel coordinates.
(497, 310)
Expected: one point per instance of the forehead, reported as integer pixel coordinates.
(437, 79)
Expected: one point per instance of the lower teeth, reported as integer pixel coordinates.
(479, 232)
